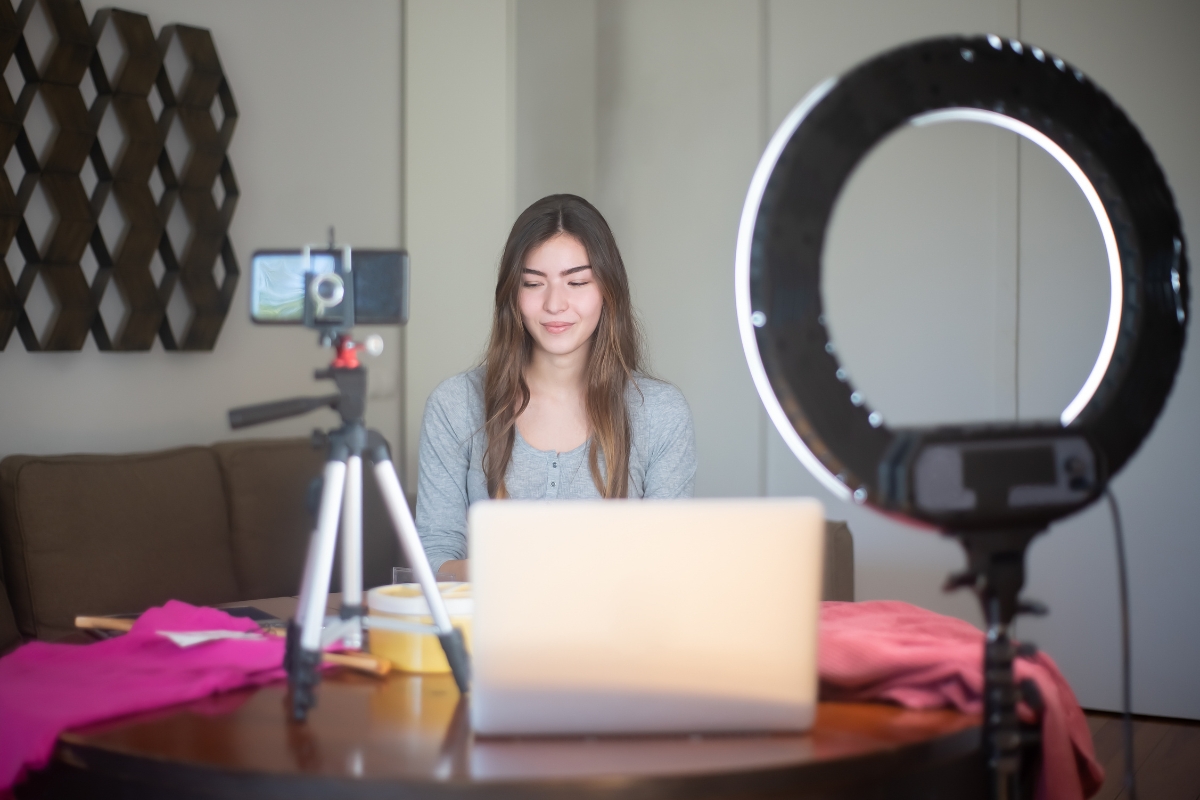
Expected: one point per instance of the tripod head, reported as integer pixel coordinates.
(347, 373)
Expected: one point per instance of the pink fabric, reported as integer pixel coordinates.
(48, 688)
(888, 650)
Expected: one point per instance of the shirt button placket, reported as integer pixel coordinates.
(554, 476)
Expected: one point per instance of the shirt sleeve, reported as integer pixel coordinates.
(671, 467)
(444, 459)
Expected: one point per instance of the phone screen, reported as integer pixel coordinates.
(277, 284)
(277, 281)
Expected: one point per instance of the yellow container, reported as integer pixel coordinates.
(417, 652)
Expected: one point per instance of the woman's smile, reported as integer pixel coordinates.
(557, 327)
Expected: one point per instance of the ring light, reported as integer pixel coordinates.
(998, 485)
(917, 472)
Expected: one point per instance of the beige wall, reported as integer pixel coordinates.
(555, 99)
(679, 134)
(317, 143)
(459, 184)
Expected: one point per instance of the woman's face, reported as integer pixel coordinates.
(559, 299)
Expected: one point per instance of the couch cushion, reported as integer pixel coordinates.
(88, 534)
(267, 483)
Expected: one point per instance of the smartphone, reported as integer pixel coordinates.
(279, 282)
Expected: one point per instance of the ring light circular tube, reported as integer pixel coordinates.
(828, 424)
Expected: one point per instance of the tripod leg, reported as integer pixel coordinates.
(1001, 725)
(352, 576)
(304, 660)
(996, 569)
(292, 652)
(410, 543)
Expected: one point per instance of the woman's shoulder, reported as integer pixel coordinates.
(654, 398)
(459, 394)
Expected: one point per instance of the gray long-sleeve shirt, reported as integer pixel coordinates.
(662, 459)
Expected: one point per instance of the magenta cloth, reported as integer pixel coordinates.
(888, 650)
(48, 688)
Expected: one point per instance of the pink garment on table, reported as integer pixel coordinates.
(888, 650)
(48, 688)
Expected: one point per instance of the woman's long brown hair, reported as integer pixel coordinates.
(615, 348)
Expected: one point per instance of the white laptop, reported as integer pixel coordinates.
(635, 617)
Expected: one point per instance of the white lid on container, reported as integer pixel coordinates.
(406, 599)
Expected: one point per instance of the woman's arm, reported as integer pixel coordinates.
(444, 459)
(671, 449)
(456, 569)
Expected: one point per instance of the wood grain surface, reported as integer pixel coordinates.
(1166, 754)
(411, 731)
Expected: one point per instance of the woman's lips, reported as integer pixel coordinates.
(557, 327)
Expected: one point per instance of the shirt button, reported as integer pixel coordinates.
(551, 483)
(555, 465)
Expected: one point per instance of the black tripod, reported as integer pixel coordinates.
(309, 632)
(996, 572)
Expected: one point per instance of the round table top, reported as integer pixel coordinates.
(372, 736)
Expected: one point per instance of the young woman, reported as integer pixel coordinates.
(559, 408)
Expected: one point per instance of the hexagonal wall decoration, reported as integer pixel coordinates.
(117, 191)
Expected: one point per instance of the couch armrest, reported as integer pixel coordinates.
(10, 637)
(839, 562)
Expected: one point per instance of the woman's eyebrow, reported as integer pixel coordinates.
(571, 271)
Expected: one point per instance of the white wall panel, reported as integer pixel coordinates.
(1145, 57)
(555, 99)
(679, 134)
(459, 185)
(913, 256)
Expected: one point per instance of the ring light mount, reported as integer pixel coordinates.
(992, 486)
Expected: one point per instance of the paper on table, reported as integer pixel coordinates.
(191, 638)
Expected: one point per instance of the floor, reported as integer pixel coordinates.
(1166, 754)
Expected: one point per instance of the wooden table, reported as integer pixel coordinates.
(408, 736)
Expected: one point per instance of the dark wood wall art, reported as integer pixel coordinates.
(116, 193)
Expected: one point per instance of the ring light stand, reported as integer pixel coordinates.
(993, 487)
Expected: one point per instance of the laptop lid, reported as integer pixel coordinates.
(633, 616)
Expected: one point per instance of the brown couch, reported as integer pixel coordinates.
(102, 534)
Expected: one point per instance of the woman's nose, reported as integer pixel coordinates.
(556, 299)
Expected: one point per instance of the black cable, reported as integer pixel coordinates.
(1126, 681)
